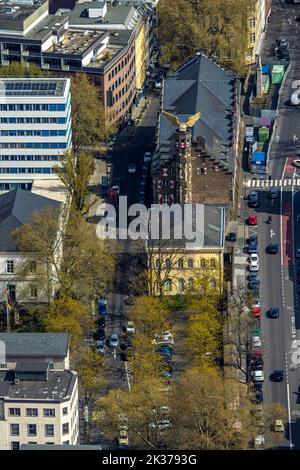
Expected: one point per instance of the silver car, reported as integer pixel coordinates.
(114, 341)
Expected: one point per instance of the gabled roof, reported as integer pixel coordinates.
(16, 209)
(200, 85)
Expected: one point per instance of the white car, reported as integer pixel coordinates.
(115, 188)
(256, 341)
(253, 263)
(259, 441)
(258, 376)
(131, 168)
(130, 328)
(123, 438)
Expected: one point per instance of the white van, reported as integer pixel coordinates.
(295, 98)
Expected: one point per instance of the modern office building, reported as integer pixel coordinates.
(35, 129)
(38, 394)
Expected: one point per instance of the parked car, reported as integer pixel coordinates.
(282, 42)
(258, 376)
(283, 53)
(252, 220)
(123, 440)
(295, 97)
(100, 333)
(297, 253)
(100, 346)
(131, 168)
(147, 157)
(272, 249)
(256, 312)
(256, 341)
(130, 328)
(101, 321)
(114, 341)
(253, 262)
(296, 163)
(253, 199)
(273, 193)
(259, 397)
(231, 237)
(273, 312)
(277, 375)
(279, 426)
(259, 441)
(165, 350)
(252, 244)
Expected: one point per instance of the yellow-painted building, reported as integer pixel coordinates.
(255, 28)
(140, 56)
(179, 266)
(178, 272)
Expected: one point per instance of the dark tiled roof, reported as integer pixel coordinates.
(36, 344)
(16, 209)
(200, 85)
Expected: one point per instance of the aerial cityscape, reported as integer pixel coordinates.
(149, 225)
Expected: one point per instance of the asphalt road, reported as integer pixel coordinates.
(278, 286)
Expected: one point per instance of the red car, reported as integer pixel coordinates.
(252, 220)
(256, 312)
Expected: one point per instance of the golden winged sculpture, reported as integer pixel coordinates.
(190, 122)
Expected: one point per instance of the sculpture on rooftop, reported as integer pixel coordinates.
(190, 122)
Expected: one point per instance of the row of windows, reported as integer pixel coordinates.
(30, 120)
(32, 107)
(47, 412)
(28, 158)
(120, 66)
(26, 170)
(16, 445)
(34, 145)
(14, 186)
(42, 133)
(182, 284)
(121, 79)
(189, 263)
(32, 429)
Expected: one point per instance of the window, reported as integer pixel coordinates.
(203, 263)
(252, 37)
(33, 291)
(181, 285)
(9, 266)
(168, 264)
(66, 443)
(212, 263)
(32, 442)
(31, 412)
(191, 283)
(31, 429)
(49, 412)
(32, 266)
(14, 411)
(157, 263)
(65, 428)
(65, 411)
(3, 365)
(15, 445)
(250, 52)
(14, 430)
(168, 285)
(180, 263)
(49, 430)
(213, 283)
(190, 263)
(251, 23)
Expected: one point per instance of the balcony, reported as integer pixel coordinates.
(5, 51)
(45, 66)
(25, 53)
(5, 62)
(65, 67)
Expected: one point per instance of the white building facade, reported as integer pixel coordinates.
(35, 129)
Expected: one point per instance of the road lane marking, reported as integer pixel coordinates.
(289, 413)
(127, 376)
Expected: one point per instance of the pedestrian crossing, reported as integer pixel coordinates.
(253, 183)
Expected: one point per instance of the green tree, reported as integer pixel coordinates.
(91, 373)
(17, 69)
(75, 172)
(217, 28)
(150, 315)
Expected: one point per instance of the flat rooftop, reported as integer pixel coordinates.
(124, 14)
(33, 87)
(12, 15)
(76, 42)
(57, 387)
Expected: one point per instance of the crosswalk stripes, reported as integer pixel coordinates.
(256, 183)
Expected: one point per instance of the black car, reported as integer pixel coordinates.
(253, 200)
(257, 365)
(283, 53)
(277, 375)
(231, 237)
(259, 386)
(100, 334)
(274, 193)
(253, 277)
(254, 285)
(273, 312)
(272, 249)
(252, 244)
(101, 321)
